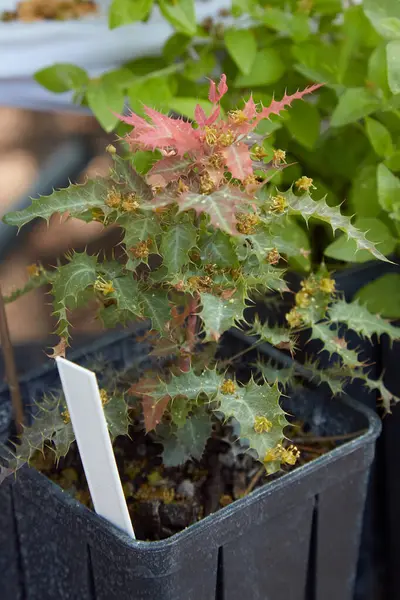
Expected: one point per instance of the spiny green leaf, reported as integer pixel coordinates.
(47, 426)
(116, 414)
(176, 242)
(221, 206)
(272, 335)
(219, 315)
(385, 395)
(180, 408)
(76, 199)
(218, 250)
(358, 318)
(124, 173)
(306, 207)
(189, 385)
(252, 401)
(377, 232)
(69, 284)
(155, 307)
(189, 441)
(333, 343)
(138, 228)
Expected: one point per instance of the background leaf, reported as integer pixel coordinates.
(267, 68)
(62, 77)
(242, 47)
(382, 296)
(103, 100)
(354, 104)
(379, 137)
(181, 14)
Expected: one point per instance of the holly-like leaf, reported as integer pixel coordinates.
(138, 228)
(153, 411)
(358, 318)
(180, 408)
(117, 417)
(69, 284)
(48, 426)
(176, 243)
(219, 315)
(386, 396)
(277, 336)
(168, 169)
(155, 307)
(238, 160)
(189, 441)
(124, 173)
(76, 199)
(306, 207)
(220, 205)
(334, 344)
(218, 250)
(189, 385)
(250, 402)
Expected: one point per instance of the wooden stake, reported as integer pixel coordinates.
(10, 367)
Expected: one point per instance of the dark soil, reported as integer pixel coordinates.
(163, 501)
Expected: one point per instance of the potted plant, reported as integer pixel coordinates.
(201, 235)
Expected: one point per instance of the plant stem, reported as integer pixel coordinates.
(10, 368)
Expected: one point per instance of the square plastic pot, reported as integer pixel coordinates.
(296, 538)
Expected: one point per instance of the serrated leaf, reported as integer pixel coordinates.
(238, 160)
(385, 395)
(306, 207)
(382, 296)
(155, 307)
(76, 199)
(69, 284)
(377, 232)
(218, 250)
(138, 228)
(180, 408)
(117, 417)
(126, 290)
(176, 243)
(272, 334)
(189, 441)
(358, 318)
(189, 385)
(219, 315)
(47, 426)
(249, 402)
(242, 47)
(221, 206)
(124, 173)
(333, 343)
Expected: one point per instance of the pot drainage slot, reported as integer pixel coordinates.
(219, 588)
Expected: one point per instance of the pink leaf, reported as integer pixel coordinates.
(213, 117)
(222, 87)
(250, 108)
(276, 107)
(132, 119)
(221, 206)
(215, 96)
(200, 116)
(238, 160)
(170, 169)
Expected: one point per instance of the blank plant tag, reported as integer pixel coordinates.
(82, 395)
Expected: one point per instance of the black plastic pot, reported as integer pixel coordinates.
(295, 538)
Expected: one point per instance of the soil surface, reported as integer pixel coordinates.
(163, 501)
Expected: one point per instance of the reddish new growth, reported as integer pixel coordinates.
(208, 165)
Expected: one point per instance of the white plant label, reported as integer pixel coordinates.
(82, 395)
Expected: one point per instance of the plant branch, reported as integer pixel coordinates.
(10, 368)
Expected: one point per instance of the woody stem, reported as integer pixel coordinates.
(10, 368)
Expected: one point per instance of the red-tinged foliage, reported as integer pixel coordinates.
(153, 411)
(221, 206)
(215, 94)
(200, 158)
(238, 160)
(276, 107)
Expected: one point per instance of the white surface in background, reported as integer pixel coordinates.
(82, 395)
(27, 47)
